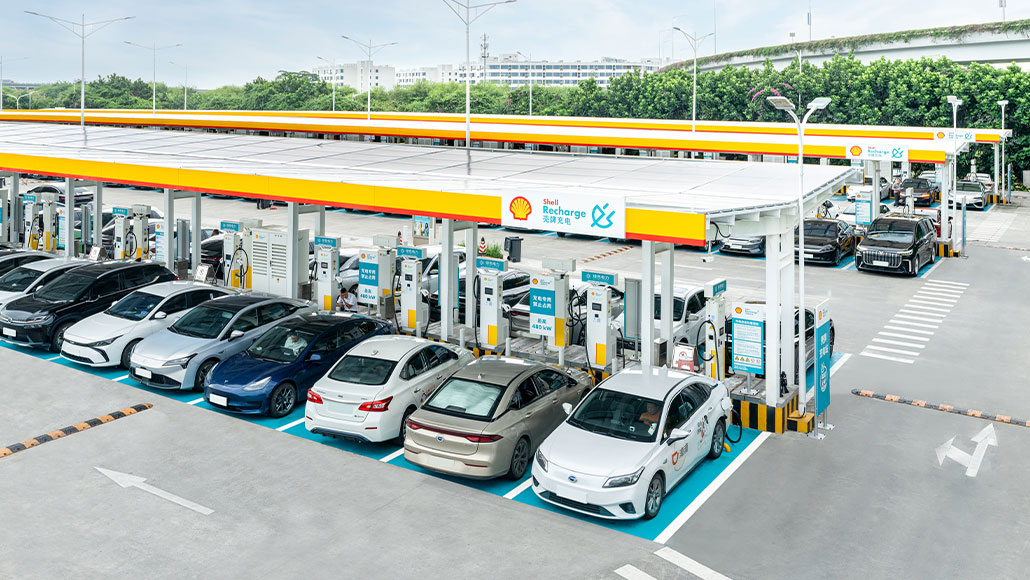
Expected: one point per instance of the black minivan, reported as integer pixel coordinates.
(40, 319)
(898, 243)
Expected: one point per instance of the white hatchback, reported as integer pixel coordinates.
(25, 279)
(109, 337)
(629, 441)
(369, 394)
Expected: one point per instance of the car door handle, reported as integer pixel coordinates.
(710, 409)
(529, 414)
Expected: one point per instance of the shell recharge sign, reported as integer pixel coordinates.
(570, 213)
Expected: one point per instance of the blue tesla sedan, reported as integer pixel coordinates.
(275, 372)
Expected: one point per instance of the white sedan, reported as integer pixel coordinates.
(630, 441)
(25, 279)
(109, 337)
(369, 394)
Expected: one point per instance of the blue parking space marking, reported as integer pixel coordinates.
(263, 420)
(676, 501)
(370, 450)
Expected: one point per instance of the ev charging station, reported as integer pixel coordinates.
(30, 209)
(238, 252)
(132, 232)
(277, 270)
(493, 325)
(47, 227)
(549, 314)
(376, 273)
(414, 310)
(327, 260)
(600, 330)
(715, 328)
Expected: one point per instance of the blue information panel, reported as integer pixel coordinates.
(541, 306)
(600, 278)
(324, 241)
(748, 354)
(409, 252)
(822, 357)
(491, 264)
(368, 282)
(122, 211)
(229, 226)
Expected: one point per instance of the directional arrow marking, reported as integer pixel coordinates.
(984, 439)
(125, 480)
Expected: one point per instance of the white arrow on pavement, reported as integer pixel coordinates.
(984, 439)
(125, 480)
(1026, 258)
(988, 434)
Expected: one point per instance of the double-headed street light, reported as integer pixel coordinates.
(332, 76)
(370, 50)
(468, 13)
(695, 42)
(2, 78)
(28, 94)
(784, 104)
(82, 34)
(154, 48)
(1003, 103)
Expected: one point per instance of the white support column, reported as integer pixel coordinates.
(947, 194)
(447, 293)
(292, 224)
(169, 229)
(874, 169)
(668, 294)
(471, 251)
(320, 221)
(997, 170)
(647, 306)
(773, 255)
(195, 232)
(12, 191)
(906, 169)
(98, 215)
(69, 218)
(786, 290)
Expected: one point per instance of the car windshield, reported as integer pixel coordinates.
(821, 229)
(915, 184)
(281, 344)
(466, 398)
(618, 415)
(65, 288)
(892, 231)
(967, 186)
(363, 370)
(18, 279)
(202, 322)
(850, 210)
(135, 306)
(677, 307)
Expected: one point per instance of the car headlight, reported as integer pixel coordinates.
(258, 385)
(181, 361)
(541, 460)
(106, 342)
(41, 319)
(624, 480)
(905, 254)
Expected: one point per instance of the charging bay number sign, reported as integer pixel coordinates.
(368, 282)
(541, 306)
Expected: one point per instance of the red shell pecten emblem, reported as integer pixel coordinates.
(520, 208)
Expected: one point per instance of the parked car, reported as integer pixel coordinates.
(687, 317)
(24, 280)
(82, 194)
(983, 178)
(41, 319)
(753, 245)
(897, 243)
(180, 356)
(853, 191)
(971, 193)
(109, 337)
(826, 240)
(486, 420)
(378, 384)
(923, 191)
(514, 285)
(274, 373)
(518, 314)
(630, 441)
(11, 258)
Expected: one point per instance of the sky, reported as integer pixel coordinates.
(234, 41)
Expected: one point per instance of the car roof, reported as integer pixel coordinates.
(319, 322)
(497, 370)
(239, 302)
(902, 216)
(656, 385)
(392, 347)
(99, 268)
(175, 286)
(51, 263)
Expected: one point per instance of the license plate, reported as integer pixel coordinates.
(218, 400)
(342, 408)
(438, 462)
(808, 256)
(573, 494)
(144, 373)
(10, 332)
(879, 264)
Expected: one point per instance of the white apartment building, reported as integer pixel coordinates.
(514, 71)
(358, 75)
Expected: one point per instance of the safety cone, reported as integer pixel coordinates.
(482, 245)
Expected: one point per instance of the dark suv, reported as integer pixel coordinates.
(898, 243)
(40, 319)
(923, 191)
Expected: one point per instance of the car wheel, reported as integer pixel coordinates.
(58, 337)
(654, 497)
(519, 460)
(836, 257)
(127, 353)
(403, 432)
(560, 234)
(282, 401)
(933, 255)
(354, 289)
(718, 440)
(198, 379)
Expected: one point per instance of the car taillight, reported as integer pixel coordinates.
(413, 425)
(483, 438)
(376, 406)
(314, 398)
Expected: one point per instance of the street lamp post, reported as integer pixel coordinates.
(530, 59)
(153, 83)
(784, 104)
(472, 12)
(370, 50)
(185, 82)
(694, 44)
(18, 100)
(82, 34)
(2, 78)
(332, 77)
(1004, 168)
(955, 102)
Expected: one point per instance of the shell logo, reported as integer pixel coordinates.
(940, 134)
(856, 150)
(738, 310)
(535, 281)
(520, 208)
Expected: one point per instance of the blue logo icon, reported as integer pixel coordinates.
(599, 214)
(572, 478)
(897, 153)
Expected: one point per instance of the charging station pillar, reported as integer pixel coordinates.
(414, 310)
(327, 264)
(600, 333)
(493, 326)
(715, 330)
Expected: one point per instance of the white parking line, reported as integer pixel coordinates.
(700, 500)
(201, 400)
(690, 565)
(960, 284)
(935, 302)
(943, 290)
(123, 377)
(843, 359)
(630, 572)
(893, 349)
(885, 357)
(918, 304)
(57, 356)
(905, 336)
(935, 296)
(907, 323)
(932, 268)
(922, 315)
(915, 330)
(519, 489)
(898, 342)
(391, 456)
(290, 425)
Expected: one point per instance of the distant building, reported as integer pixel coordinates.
(513, 71)
(359, 75)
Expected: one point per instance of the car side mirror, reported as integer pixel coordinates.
(567, 407)
(161, 315)
(235, 334)
(315, 357)
(678, 435)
